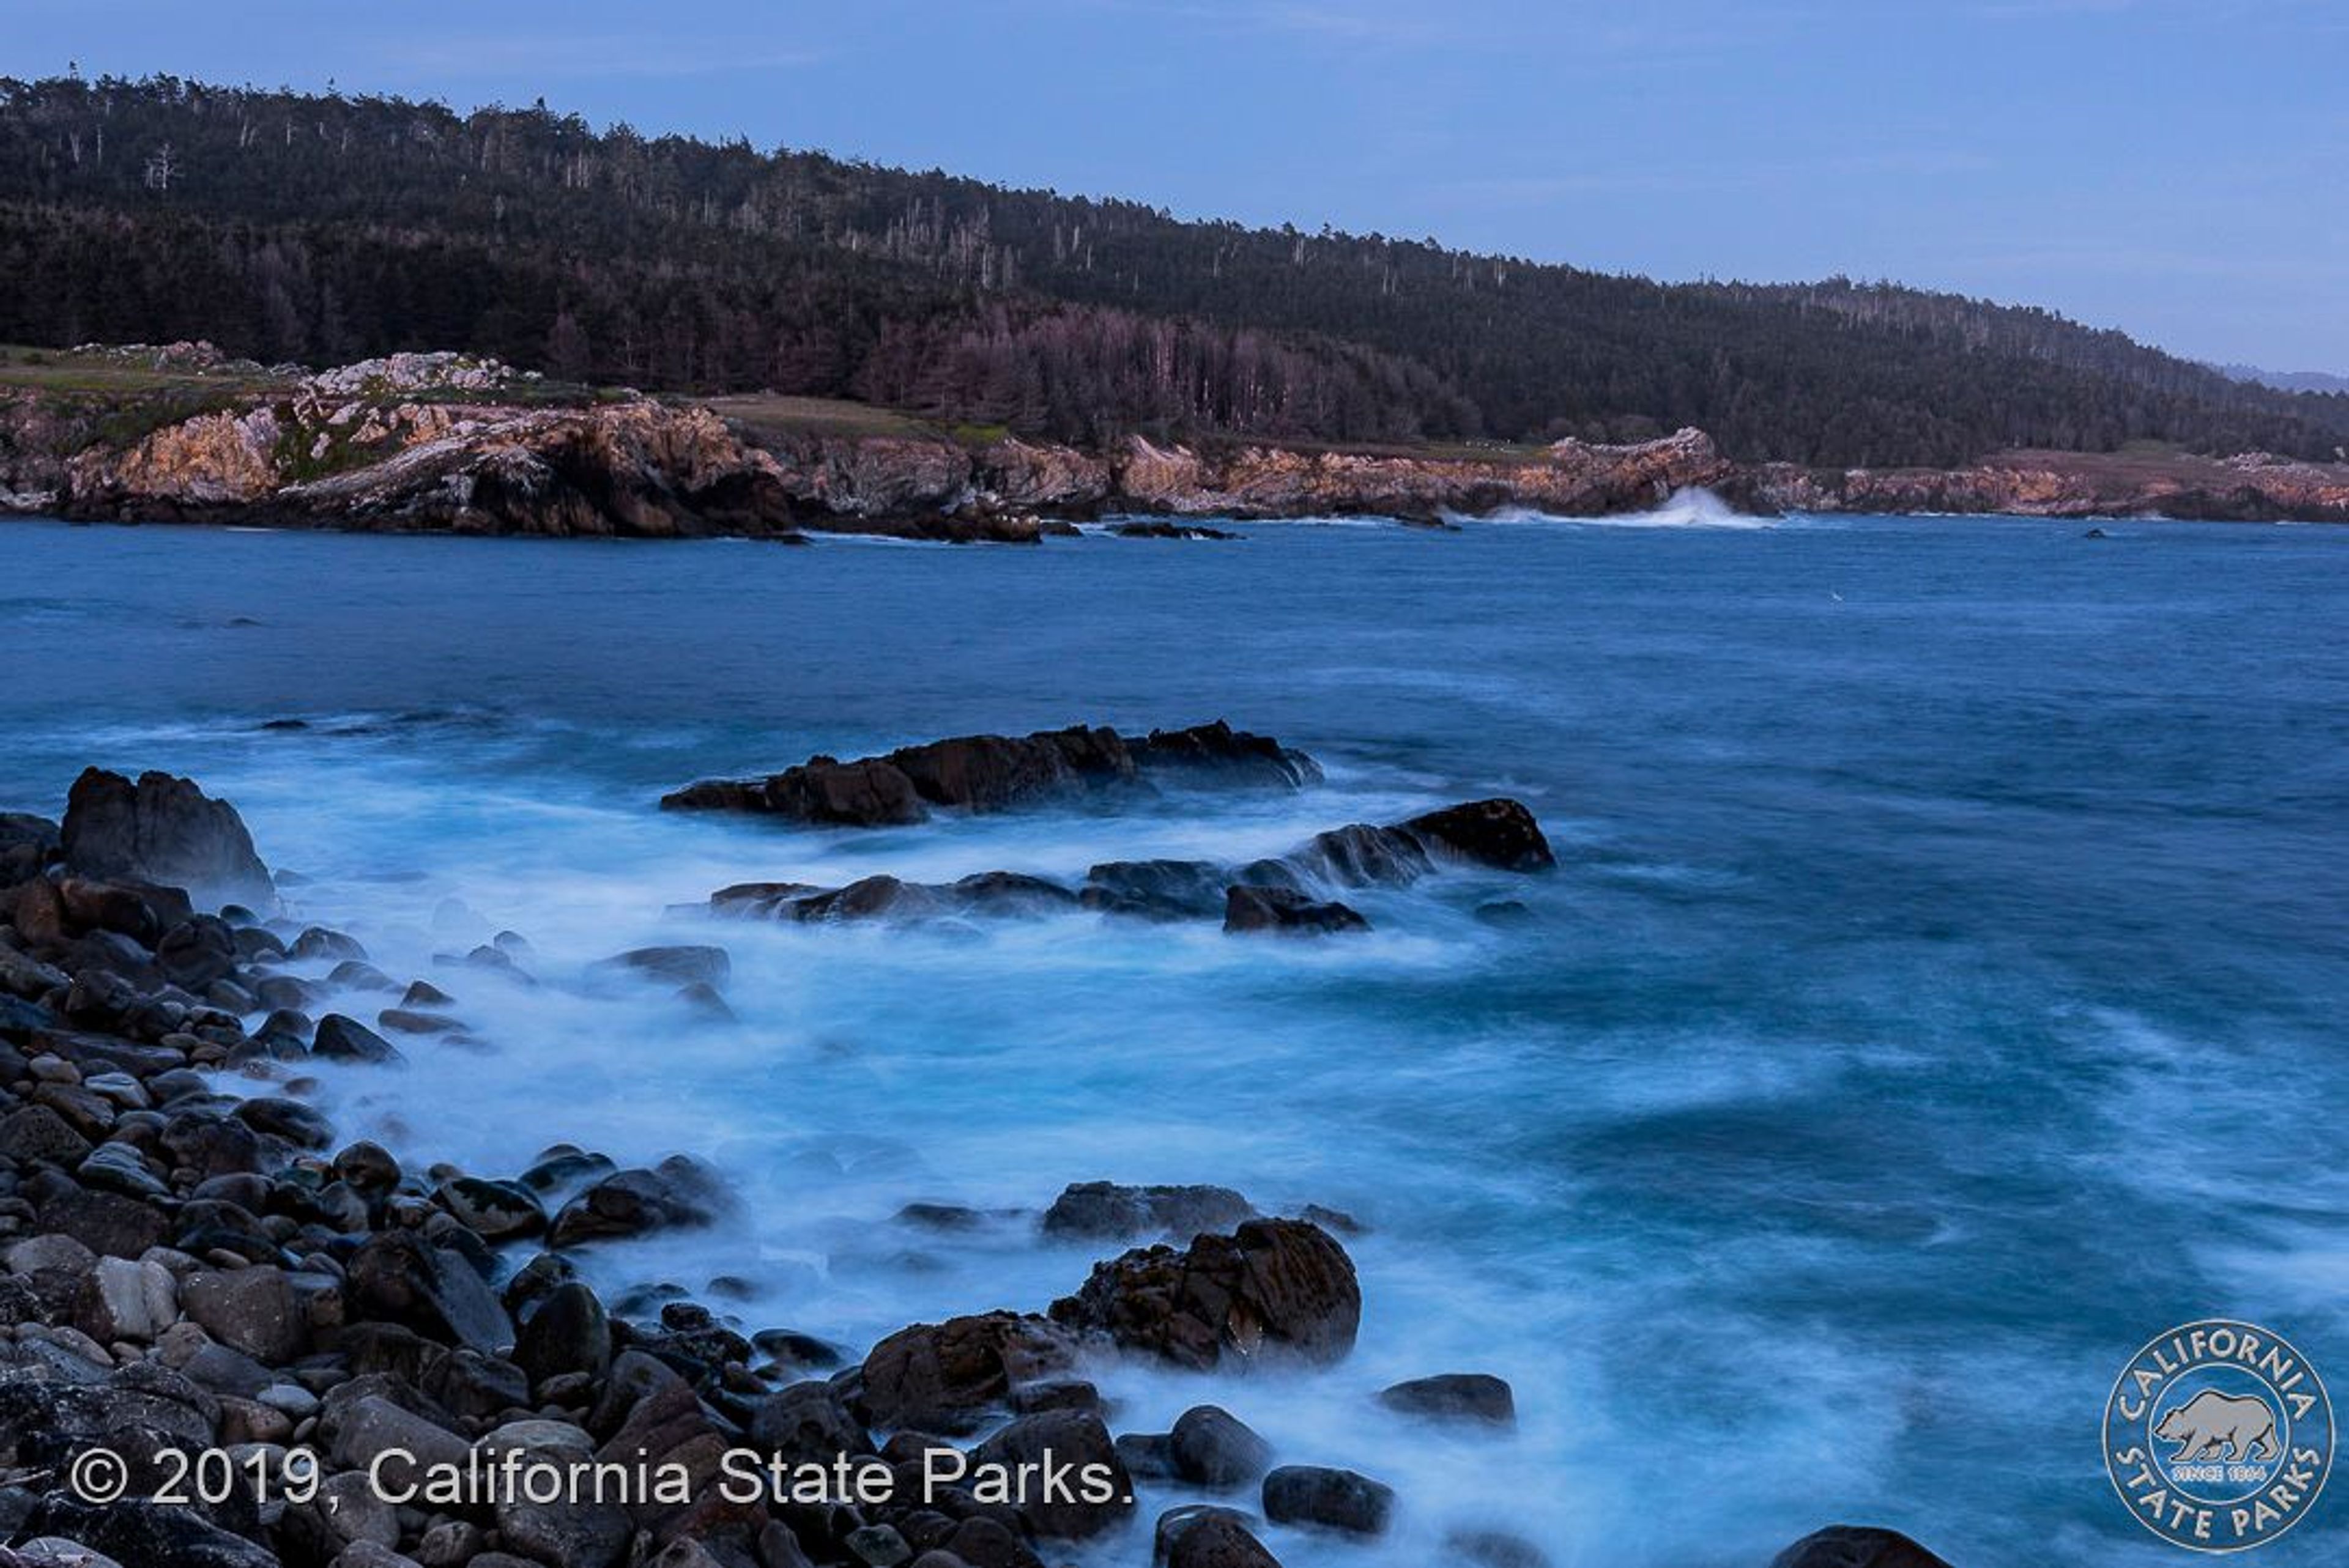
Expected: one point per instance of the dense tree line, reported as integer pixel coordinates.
(320, 227)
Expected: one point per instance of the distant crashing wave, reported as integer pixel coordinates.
(1690, 507)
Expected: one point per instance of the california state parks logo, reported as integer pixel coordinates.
(2218, 1435)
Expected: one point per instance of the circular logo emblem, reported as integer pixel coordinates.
(2218, 1435)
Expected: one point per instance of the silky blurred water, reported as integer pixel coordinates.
(1940, 995)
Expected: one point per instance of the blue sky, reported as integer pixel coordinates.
(2177, 167)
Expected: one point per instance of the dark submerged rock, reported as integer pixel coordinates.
(1283, 913)
(1106, 1211)
(681, 965)
(1471, 1398)
(1339, 1500)
(1855, 1546)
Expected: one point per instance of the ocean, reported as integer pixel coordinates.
(1940, 993)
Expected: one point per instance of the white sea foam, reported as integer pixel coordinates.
(1690, 507)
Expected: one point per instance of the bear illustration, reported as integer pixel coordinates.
(2215, 1426)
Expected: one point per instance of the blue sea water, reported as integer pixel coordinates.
(1940, 993)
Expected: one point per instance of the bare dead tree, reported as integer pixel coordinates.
(162, 168)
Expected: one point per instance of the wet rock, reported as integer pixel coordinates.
(1855, 1546)
(943, 1377)
(1219, 754)
(1107, 1211)
(370, 1426)
(300, 1125)
(1201, 1535)
(679, 1194)
(1078, 1442)
(1339, 1500)
(1286, 913)
(808, 1423)
(1216, 1450)
(196, 953)
(496, 1211)
(341, 1038)
(572, 1531)
(1157, 890)
(878, 1546)
(1470, 1398)
(146, 1535)
(122, 1299)
(120, 1168)
(162, 830)
(871, 898)
(398, 1277)
(323, 942)
(1275, 1289)
(564, 1167)
(1498, 833)
(568, 1333)
(1495, 1548)
(409, 1021)
(1148, 1455)
(995, 772)
(685, 966)
(256, 1311)
(368, 1167)
(105, 1223)
(37, 1132)
(1361, 855)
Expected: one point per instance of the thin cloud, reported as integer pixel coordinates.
(611, 56)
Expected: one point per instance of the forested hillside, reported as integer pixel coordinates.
(324, 228)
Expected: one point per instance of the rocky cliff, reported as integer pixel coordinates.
(2256, 486)
(445, 443)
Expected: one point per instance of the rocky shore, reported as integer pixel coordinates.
(445, 443)
(196, 1263)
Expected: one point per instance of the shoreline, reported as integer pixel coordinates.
(445, 444)
(232, 1275)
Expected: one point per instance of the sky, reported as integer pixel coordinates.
(2179, 169)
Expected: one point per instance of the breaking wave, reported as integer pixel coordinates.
(1692, 506)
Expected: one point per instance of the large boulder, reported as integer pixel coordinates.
(343, 1038)
(1215, 1450)
(1498, 833)
(945, 1376)
(162, 830)
(1273, 1290)
(679, 1194)
(398, 1277)
(1855, 1546)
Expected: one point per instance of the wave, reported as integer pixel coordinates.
(1692, 506)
